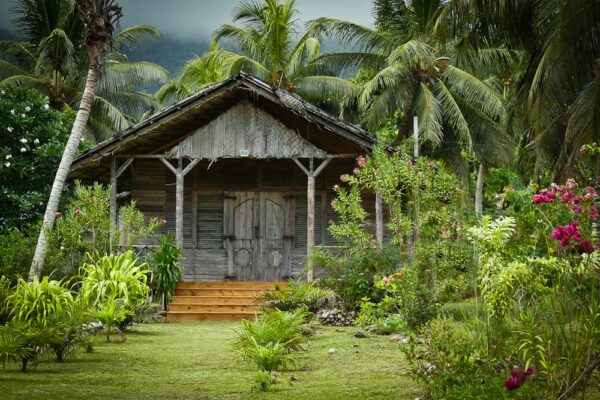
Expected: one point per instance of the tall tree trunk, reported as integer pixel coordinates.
(479, 190)
(63, 169)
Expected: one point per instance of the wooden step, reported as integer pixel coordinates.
(219, 292)
(229, 285)
(213, 308)
(235, 300)
(183, 316)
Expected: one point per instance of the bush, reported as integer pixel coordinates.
(36, 303)
(297, 294)
(167, 269)
(115, 277)
(5, 291)
(271, 341)
(351, 277)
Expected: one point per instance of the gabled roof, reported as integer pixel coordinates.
(167, 128)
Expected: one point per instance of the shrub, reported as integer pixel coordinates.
(351, 277)
(38, 302)
(13, 346)
(112, 312)
(115, 277)
(5, 291)
(167, 269)
(284, 327)
(269, 357)
(297, 294)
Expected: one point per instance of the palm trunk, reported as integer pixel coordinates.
(63, 170)
(479, 190)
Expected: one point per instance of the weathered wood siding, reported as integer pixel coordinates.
(206, 189)
(245, 131)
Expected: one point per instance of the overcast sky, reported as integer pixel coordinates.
(191, 18)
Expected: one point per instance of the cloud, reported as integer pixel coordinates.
(190, 19)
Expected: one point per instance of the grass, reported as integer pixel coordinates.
(196, 361)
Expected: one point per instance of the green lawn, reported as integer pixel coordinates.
(195, 361)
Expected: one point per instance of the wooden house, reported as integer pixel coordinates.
(243, 174)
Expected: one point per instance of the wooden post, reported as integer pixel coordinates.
(180, 173)
(179, 204)
(311, 174)
(310, 220)
(115, 173)
(113, 203)
(379, 219)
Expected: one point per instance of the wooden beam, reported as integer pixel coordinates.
(310, 221)
(302, 167)
(321, 167)
(123, 167)
(379, 219)
(191, 166)
(168, 164)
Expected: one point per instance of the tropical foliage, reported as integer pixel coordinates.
(268, 44)
(167, 269)
(51, 59)
(32, 140)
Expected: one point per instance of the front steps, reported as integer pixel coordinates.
(216, 301)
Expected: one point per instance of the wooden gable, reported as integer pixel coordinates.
(245, 130)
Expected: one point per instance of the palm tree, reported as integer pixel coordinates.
(99, 18)
(265, 46)
(557, 94)
(51, 61)
(411, 68)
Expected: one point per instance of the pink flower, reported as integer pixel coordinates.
(577, 199)
(544, 197)
(576, 209)
(387, 279)
(163, 221)
(336, 187)
(590, 194)
(566, 197)
(57, 214)
(356, 170)
(571, 184)
(585, 247)
(361, 161)
(344, 178)
(593, 213)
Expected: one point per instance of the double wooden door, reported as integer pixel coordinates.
(259, 230)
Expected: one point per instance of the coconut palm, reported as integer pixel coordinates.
(99, 18)
(51, 60)
(557, 92)
(411, 68)
(268, 44)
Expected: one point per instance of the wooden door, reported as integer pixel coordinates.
(242, 239)
(259, 237)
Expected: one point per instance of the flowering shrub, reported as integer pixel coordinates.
(32, 138)
(518, 377)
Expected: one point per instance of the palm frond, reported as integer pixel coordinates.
(173, 92)
(123, 76)
(453, 114)
(326, 88)
(7, 70)
(306, 51)
(352, 35)
(473, 90)
(233, 63)
(429, 110)
(412, 52)
(56, 53)
(346, 63)
(135, 37)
